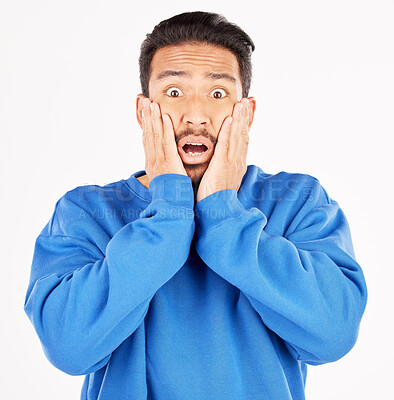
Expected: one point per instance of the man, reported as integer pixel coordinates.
(199, 277)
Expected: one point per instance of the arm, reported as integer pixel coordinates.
(83, 303)
(304, 282)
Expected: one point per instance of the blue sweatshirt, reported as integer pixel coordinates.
(154, 297)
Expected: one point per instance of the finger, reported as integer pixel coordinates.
(169, 144)
(235, 134)
(148, 132)
(221, 150)
(242, 149)
(157, 125)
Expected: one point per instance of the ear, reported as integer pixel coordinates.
(138, 107)
(252, 109)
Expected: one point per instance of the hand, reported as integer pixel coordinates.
(161, 154)
(228, 163)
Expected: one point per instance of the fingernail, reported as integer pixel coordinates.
(145, 102)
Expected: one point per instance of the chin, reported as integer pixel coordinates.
(196, 171)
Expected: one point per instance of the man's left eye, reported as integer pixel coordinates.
(218, 93)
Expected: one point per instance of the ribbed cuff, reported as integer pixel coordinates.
(215, 208)
(175, 189)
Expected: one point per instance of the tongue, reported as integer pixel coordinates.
(194, 148)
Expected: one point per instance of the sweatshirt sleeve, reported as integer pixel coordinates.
(305, 283)
(83, 302)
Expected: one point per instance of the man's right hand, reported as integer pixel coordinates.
(161, 153)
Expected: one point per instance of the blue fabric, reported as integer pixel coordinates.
(154, 297)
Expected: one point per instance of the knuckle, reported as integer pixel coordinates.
(237, 116)
(165, 166)
(160, 158)
(245, 136)
(240, 165)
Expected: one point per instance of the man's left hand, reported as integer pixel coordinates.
(228, 163)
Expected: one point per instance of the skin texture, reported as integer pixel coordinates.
(196, 104)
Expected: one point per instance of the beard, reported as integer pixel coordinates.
(196, 171)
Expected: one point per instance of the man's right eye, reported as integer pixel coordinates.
(173, 92)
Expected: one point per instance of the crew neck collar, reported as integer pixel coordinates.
(137, 187)
(143, 192)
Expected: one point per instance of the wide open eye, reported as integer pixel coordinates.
(219, 93)
(173, 92)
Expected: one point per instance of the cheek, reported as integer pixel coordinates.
(219, 117)
(171, 111)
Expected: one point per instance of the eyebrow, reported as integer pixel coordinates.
(168, 72)
(221, 76)
(210, 75)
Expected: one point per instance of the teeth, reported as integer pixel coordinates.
(193, 154)
(195, 144)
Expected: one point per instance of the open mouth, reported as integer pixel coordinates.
(194, 152)
(194, 149)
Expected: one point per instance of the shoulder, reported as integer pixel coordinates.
(87, 206)
(89, 196)
(287, 198)
(295, 187)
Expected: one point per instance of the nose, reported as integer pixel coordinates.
(195, 113)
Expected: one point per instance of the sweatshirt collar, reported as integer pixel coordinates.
(137, 187)
(143, 192)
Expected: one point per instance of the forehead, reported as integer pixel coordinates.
(194, 59)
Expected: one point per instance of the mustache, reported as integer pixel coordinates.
(200, 132)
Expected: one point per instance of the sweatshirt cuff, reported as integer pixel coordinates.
(175, 189)
(215, 208)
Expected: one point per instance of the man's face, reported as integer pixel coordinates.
(198, 86)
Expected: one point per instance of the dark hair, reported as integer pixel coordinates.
(198, 26)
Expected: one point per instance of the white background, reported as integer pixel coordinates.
(323, 81)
